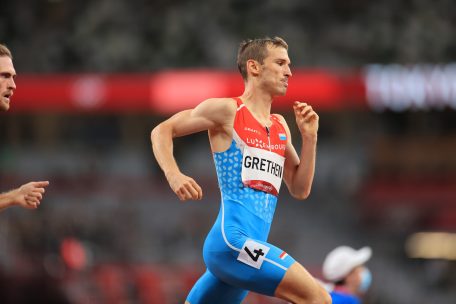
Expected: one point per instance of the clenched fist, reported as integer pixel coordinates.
(184, 186)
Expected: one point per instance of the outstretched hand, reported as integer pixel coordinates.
(29, 195)
(184, 186)
(306, 118)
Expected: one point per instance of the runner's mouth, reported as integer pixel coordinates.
(8, 96)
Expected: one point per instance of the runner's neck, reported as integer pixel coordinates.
(260, 110)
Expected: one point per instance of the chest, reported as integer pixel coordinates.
(255, 135)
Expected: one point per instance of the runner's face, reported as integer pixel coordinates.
(276, 71)
(7, 84)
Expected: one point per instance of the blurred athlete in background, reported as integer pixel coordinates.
(30, 194)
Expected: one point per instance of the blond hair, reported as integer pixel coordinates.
(256, 49)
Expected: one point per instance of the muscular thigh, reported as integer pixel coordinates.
(257, 266)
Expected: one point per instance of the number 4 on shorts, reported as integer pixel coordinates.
(253, 253)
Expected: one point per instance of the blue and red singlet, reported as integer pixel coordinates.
(237, 255)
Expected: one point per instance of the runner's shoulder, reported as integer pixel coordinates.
(280, 118)
(223, 103)
(223, 106)
(282, 121)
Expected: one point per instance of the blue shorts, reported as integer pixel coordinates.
(238, 258)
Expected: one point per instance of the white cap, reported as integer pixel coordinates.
(342, 260)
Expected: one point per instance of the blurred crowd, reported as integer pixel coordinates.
(142, 35)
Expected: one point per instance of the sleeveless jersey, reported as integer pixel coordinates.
(236, 252)
(263, 150)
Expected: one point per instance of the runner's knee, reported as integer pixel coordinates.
(326, 297)
(299, 287)
(319, 297)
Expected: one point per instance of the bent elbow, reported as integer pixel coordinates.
(154, 132)
(163, 129)
(158, 132)
(301, 195)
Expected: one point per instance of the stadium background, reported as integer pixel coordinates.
(96, 76)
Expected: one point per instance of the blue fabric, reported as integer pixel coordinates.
(343, 298)
(245, 215)
(210, 290)
(228, 166)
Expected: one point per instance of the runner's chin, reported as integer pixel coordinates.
(281, 91)
(4, 105)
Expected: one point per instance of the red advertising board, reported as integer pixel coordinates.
(169, 91)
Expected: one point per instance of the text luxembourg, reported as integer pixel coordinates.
(264, 165)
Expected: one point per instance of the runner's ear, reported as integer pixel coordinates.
(253, 67)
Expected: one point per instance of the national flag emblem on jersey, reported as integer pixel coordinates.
(282, 136)
(283, 255)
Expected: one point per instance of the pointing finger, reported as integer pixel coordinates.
(40, 184)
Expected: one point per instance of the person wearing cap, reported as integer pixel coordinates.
(345, 268)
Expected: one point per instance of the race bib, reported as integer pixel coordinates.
(262, 170)
(253, 253)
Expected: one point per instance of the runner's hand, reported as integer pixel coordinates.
(306, 118)
(184, 186)
(29, 195)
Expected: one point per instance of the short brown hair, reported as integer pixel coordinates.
(4, 51)
(256, 49)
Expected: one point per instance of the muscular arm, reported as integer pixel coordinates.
(27, 196)
(212, 114)
(300, 169)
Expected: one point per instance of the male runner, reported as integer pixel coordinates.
(252, 151)
(30, 194)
